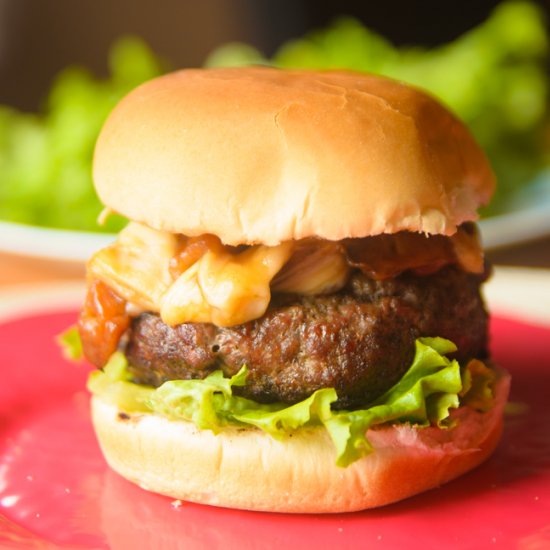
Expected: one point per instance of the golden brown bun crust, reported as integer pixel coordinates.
(245, 468)
(260, 155)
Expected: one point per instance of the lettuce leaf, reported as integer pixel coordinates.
(425, 395)
(114, 385)
(70, 343)
(477, 391)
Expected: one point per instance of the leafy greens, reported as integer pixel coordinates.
(425, 395)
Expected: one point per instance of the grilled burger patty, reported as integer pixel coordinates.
(359, 340)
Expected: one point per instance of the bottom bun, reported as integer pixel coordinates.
(246, 468)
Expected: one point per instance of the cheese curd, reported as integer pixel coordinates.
(228, 286)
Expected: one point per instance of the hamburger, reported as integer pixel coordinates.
(291, 320)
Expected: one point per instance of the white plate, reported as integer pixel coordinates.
(53, 244)
(516, 227)
(529, 218)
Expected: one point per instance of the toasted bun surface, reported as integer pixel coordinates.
(259, 155)
(245, 468)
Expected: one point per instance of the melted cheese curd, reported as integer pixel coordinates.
(224, 286)
(202, 281)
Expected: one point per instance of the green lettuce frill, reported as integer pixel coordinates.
(431, 387)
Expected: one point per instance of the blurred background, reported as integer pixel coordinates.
(65, 63)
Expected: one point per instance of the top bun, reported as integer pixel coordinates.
(261, 155)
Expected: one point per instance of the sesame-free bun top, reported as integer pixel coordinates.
(262, 155)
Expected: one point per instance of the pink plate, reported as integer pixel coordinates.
(56, 491)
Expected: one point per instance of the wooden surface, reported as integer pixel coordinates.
(530, 254)
(15, 270)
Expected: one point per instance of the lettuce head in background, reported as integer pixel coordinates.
(46, 157)
(494, 77)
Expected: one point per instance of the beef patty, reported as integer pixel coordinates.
(359, 341)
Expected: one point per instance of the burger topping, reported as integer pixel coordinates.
(467, 248)
(193, 249)
(137, 265)
(102, 322)
(315, 267)
(385, 256)
(198, 279)
(224, 288)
